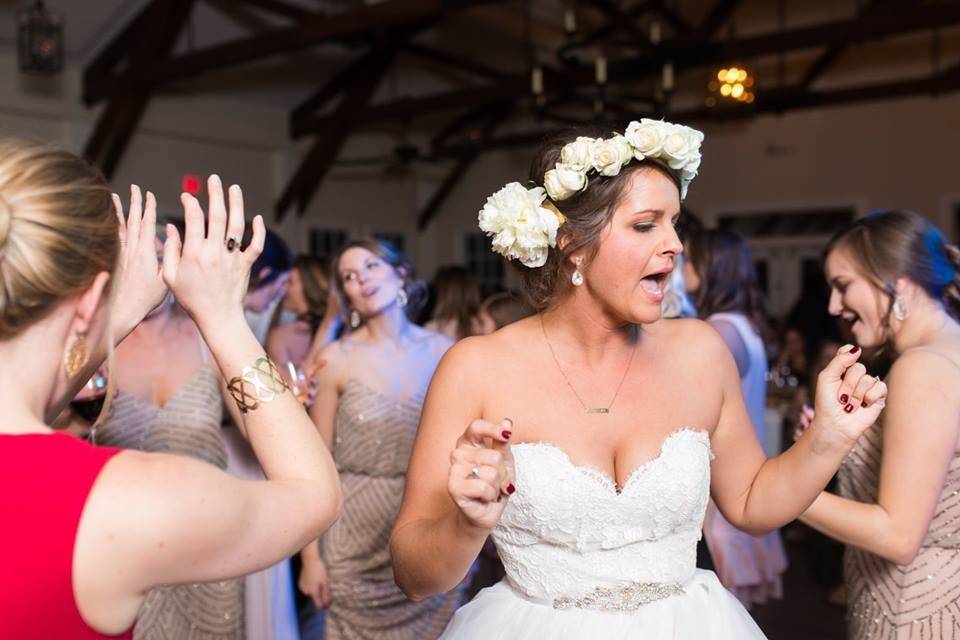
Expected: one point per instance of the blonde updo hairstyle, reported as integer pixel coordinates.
(587, 214)
(58, 230)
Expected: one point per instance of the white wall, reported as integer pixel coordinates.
(902, 153)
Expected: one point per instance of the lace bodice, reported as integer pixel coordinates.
(567, 529)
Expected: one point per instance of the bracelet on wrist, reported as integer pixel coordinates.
(256, 385)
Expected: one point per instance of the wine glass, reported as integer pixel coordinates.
(300, 385)
(89, 402)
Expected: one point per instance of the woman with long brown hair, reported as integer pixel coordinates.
(720, 274)
(89, 531)
(895, 282)
(369, 398)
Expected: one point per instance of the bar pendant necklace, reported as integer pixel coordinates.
(587, 408)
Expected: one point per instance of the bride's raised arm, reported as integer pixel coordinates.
(451, 501)
(758, 495)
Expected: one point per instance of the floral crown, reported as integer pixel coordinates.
(524, 223)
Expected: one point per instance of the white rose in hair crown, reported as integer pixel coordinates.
(523, 221)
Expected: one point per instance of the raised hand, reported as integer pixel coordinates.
(481, 472)
(208, 273)
(848, 400)
(139, 286)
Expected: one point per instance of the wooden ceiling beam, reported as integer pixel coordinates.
(774, 101)
(283, 9)
(454, 61)
(684, 53)
(318, 161)
(97, 74)
(115, 126)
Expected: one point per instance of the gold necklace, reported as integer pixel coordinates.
(587, 408)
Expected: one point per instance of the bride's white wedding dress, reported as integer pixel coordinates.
(584, 560)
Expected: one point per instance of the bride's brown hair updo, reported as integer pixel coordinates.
(58, 230)
(587, 214)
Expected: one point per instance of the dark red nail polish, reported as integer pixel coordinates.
(864, 404)
(844, 398)
(855, 349)
(506, 434)
(511, 488)
(848, 408)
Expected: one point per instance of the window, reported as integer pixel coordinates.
(487, 266)
(326, 242)
(398, 240)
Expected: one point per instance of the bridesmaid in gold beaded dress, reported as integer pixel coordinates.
(369, 399)
(894, 280)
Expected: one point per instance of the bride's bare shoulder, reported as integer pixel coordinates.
(687, 335)
(486, 350)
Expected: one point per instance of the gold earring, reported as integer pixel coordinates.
(76, 356)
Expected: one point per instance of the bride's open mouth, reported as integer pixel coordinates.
(654, 283)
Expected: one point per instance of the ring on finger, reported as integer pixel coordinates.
(475, 472)
(232, 243)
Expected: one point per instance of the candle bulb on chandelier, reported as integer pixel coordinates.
(536, 81)
(570, 20)
(600, 68)
(667, 77)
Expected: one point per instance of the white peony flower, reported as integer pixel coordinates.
(522, 229)
(646, 137)
(564, 181)
(576, 154)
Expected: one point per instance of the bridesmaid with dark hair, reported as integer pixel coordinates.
(369, 399)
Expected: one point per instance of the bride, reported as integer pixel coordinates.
(586, 439)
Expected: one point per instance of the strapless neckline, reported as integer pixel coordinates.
(605, 478)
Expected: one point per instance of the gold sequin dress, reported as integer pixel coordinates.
(188, 424)
(887, 601)
(374, 439)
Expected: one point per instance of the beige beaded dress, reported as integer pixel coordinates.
(886, 601)
(374, 439)
(187, 424)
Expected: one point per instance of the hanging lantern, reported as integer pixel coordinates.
(39, 39)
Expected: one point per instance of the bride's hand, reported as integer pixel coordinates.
(848, 400)
(481, 472)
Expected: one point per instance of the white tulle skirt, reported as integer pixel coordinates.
(706, 611)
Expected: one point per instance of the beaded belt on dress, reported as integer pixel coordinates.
(628, 597)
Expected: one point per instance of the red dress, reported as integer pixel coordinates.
(44, 483)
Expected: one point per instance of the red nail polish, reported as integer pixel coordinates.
(506, 434)
(855, 349)
(864, 404)
(844, 398)
(848, 408)
(511, 488)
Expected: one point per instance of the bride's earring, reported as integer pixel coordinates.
(355, 319)
(402, 297)
(899, 308)
(577, 277)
